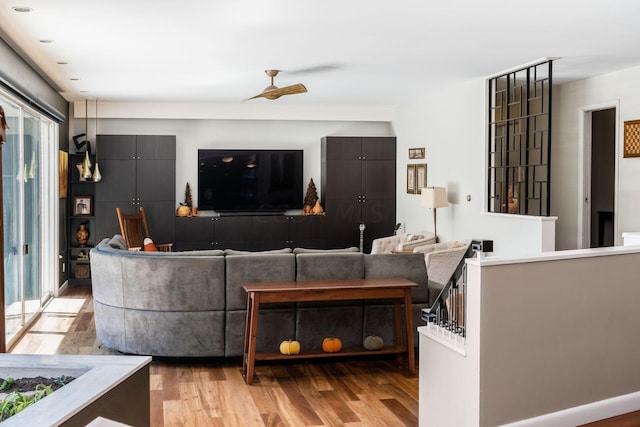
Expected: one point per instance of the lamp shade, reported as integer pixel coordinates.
(434, 197)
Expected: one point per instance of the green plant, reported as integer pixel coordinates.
(16, 401)
(63, 380)
(7, 383)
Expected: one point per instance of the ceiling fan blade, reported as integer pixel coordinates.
(313, 69)
(278, 92)
(287, 90)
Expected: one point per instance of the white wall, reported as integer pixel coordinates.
(619, 88)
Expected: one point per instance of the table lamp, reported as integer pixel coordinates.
(434, 197)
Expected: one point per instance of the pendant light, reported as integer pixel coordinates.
(97, 176)
(86, 163)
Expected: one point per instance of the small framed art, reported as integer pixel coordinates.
(421, 177)
(632, 138)
(416, 153)
(411, 179)
(83, 206)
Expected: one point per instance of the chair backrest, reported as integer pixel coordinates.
(133, 227)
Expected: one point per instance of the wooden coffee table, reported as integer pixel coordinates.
(329, 290)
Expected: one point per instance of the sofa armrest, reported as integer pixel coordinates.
(385, 245)
(441, 264)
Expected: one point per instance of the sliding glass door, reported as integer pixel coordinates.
(26, 243)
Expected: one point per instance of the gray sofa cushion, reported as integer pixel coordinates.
(330, 266)
(173, 283)
(407, 266)
(255, 268)
(320, 251)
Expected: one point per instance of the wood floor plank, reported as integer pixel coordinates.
(237, 406)
(403, 414)
(340, 407)
(300, 403)
(156, 410)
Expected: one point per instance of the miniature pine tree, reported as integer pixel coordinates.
(312, 194)
(187, 196)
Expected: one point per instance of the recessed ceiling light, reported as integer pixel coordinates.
(46, 41)
(21, 9)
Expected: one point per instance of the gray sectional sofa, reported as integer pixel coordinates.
(192, 304)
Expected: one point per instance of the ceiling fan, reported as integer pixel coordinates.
(274, 92)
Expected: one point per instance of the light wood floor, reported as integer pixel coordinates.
(356, 392)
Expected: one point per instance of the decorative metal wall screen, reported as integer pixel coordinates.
(519, 148)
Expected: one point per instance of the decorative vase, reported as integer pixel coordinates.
(97, 176)
(86, 166)
(80, 172)
(82, 235)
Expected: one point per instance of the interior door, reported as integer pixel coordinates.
(602, 179)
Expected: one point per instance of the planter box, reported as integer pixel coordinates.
(113, 387)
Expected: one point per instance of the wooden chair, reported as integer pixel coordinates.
(134, 229)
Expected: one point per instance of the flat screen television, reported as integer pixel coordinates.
(249, 181)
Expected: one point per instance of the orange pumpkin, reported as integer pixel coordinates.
(331, 345)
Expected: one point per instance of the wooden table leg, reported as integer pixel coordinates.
(398, 315)
(251, 334)
(411, 352)
(247, 329)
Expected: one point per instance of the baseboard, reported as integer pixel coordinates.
(584, 414)
(61, 288)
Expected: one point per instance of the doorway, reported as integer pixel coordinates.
(600, 179)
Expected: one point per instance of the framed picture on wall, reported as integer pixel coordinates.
(83, 206)
(416, 153)
(411, 179)
(421, 177)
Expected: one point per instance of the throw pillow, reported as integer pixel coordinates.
(412, 237)
(117, 242)
(149, 246)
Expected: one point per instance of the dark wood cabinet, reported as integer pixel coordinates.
(137, 170)
(358, 188)
(250, 233)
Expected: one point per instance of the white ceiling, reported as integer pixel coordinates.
(344, 51)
